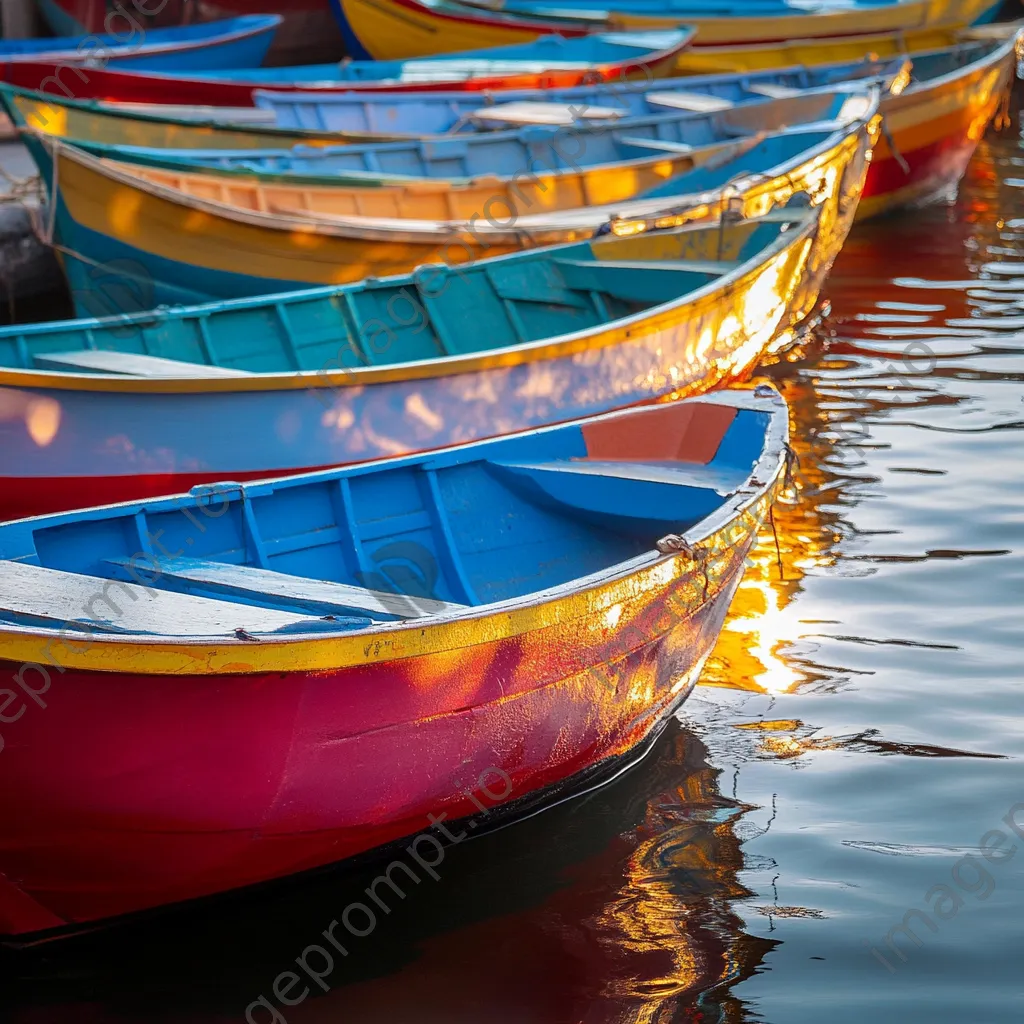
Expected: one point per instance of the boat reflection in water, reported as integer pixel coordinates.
(614, 907)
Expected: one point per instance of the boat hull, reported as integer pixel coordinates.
(186, 786)
(309, 33)
(932, 130)
(389, 29)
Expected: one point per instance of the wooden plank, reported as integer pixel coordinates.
(774, 91)
(661, 145)
(50, 595)
(721, 480)
(698, 102)
(612, 275)
(130, 364)
(528, 112)
(321, 596)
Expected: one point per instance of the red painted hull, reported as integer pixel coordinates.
(21, 497)
(308, 35)
(929, 170)
(125, 793)
(138, 87)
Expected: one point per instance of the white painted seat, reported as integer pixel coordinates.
(66, 599)
(660, 145)
(321, 596)
(774, 91)
(527, 112)
(129, 364)
(698, 102)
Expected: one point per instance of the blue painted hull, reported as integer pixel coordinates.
(234, 43)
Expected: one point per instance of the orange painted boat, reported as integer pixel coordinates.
(931, 130)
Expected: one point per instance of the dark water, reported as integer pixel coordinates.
(858, 736)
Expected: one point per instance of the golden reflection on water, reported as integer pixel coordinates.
(751, 653)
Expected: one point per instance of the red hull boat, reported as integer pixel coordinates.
(309, 33)
(240, 737)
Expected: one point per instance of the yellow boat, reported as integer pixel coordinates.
(398, 29)
(260, 237)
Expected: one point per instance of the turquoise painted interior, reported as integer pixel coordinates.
(437, 311)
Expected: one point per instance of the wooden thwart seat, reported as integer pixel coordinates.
(774, 91)
(699, 102)
(640, 280)
(321, 597)
(130, 364)
(660, 145)
(66, 599)
(530, 112)
(675, 474)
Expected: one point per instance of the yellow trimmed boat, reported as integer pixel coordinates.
(195, 236)
(397, 29)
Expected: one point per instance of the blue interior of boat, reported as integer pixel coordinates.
(441, 112)
(536, 147)
(523, 297)
(541, 53)
(466, 526)
(153, 37)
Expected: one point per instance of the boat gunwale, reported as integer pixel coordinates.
(586, 339)
(512, 617)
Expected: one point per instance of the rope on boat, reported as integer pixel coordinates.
(1002, 116)
(897, 155)
(20, 188)
(778, 549)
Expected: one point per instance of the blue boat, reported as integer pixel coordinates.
(232, 43)
(498, 155)
(414, 115)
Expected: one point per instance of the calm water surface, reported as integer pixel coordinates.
(858, 736)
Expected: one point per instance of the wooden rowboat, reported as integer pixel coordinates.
(389, 29)
(103, 410)
(602, 155)
(235, 43)
(308, 32)
(488, 622)
(293, 119)
(933, 127)
(546, 62)
(194, 238)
